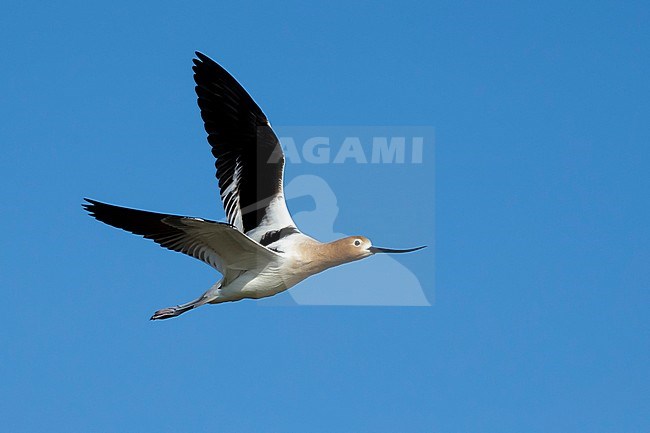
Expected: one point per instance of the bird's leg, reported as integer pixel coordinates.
(167, 313)
(208, 297)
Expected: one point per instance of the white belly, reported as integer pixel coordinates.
(252, 284)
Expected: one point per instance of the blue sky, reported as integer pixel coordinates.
(539, 237)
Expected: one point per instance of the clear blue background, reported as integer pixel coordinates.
(542, 234)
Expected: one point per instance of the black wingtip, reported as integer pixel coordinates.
(200, 61)
(88, 206)
(91, 205)
(202, 58)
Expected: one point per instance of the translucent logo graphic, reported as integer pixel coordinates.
(380, 280)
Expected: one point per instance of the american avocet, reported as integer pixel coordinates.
(260, 252)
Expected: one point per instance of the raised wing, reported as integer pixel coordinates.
(250, 161)
(220, 245)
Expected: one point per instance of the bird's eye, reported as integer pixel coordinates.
(357, 243)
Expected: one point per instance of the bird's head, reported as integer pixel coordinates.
(355, 248)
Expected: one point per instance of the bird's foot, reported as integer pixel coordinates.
(167, 313)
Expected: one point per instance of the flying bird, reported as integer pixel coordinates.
(259, 252)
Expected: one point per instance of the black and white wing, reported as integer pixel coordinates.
(249, 159)
(220, 245)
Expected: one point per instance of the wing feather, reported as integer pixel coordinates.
(220, 245)
(249, 158)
